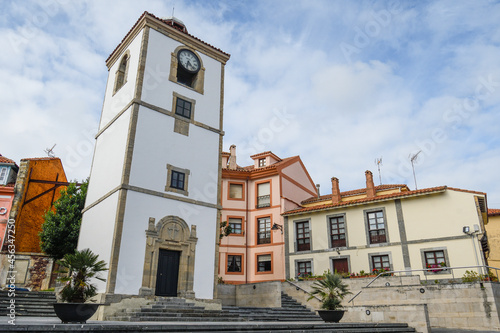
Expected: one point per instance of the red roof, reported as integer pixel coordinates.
(493, 212)
(252, 168)
(376, 198)
(4, 159)
(356, 192)
(168, 22)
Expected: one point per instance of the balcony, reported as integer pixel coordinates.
(263, 201)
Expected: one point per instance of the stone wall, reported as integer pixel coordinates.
(461, 305)
(449, 305)
(416, 315)
(263, 294)
(31, 271)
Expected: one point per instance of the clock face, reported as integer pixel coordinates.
(189, 61)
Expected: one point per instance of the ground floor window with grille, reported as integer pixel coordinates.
(304, 268)
(264, 263)
(381, 262)
(233, 263)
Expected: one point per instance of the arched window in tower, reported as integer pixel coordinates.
(121, 73)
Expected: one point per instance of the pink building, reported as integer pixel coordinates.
(253, 198)
(8, 174)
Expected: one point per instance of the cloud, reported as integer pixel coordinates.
(289, 87)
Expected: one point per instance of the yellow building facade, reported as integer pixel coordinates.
(493, 230)
(387, 227)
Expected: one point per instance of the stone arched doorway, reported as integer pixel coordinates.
(171, 236)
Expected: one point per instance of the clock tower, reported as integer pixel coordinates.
(153, 203)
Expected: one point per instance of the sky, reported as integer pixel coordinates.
(340, 83)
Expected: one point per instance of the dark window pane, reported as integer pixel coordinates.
(337, 231)
(183, 108)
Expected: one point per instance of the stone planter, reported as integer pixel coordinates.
(331, 316)
(75, 312)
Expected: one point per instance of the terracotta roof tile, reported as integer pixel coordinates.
(356, 192)
(367, 200)
(4, 159)
(166, 22)
(251, 168)
(493, 212)
(265, 153)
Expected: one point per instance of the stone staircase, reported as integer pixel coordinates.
(290, 317)
(173, 309)
(28, 303)
(290, 310)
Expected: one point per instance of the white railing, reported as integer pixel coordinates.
(483, 274)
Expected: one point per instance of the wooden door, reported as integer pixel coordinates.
(168, 273)
(340, 265)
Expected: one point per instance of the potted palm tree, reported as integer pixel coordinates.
(80, 267)
(331, 291)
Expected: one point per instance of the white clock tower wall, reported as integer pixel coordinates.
(130, 255)
(141, 142)
(115, 102)
(158, 89)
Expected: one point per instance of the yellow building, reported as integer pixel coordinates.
(493, 230)
(387, 227)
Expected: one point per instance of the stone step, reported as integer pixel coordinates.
(174, 319)
(28, 303)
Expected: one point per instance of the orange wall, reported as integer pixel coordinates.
(29, 218)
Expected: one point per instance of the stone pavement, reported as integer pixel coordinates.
(53, 325)
(55, 322)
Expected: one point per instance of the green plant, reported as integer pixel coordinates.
(61, 228)
(225, 230)
(331, 290)
(81, 267)
(220, 280)
(470, 276)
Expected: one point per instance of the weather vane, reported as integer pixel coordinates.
(50, 152)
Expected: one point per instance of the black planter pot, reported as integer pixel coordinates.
(331, 316)
(75, 312)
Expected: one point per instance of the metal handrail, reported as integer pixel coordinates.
(299, 287)
(486, 270)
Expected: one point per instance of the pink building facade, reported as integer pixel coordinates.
(253, 198)
(8, 174)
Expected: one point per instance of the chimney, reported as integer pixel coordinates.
(317, 190)
(232, 158)
(370, 187)
(335, 190)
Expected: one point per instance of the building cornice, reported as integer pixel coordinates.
(148, 19)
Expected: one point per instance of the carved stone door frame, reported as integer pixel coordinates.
(170, 233)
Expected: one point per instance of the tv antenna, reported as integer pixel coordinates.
(413, 159)
(378, 162)
(50, 152)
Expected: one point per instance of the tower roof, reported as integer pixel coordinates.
(172, 22)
